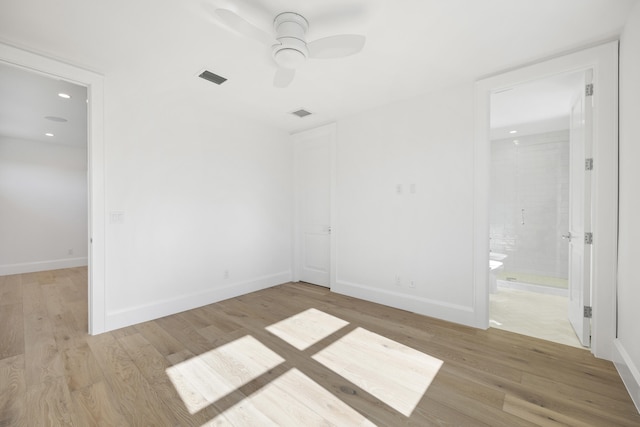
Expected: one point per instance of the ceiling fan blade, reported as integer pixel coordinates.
(336, 46)
(283, 77)
(240, 25)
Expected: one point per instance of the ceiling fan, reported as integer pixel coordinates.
(289, 47)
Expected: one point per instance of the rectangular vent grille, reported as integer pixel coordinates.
(214, 78)
(301, 113)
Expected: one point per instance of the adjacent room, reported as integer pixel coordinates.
(362, 212)
(530, 206)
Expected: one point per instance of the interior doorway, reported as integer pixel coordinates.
(603, 60)
(94, 84)
(530, 210)
(43, 172)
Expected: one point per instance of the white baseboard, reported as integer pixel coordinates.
(32, 267)
(540, 289)
(439, 309)
(628, 371)
(156, 309)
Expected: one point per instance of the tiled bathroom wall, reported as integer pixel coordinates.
(530, 204)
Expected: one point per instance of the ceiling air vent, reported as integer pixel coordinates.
(301, 113)
(214, 78)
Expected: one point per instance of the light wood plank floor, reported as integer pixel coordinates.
(295, 355)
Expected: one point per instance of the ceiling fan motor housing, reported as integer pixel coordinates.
(291, 28)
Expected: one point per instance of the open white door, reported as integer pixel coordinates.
(313, 151)
(580, 213)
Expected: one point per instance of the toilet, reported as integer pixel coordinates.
(495, 267)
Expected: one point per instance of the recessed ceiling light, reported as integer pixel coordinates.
(64, 95)
(513, 131)
(48, 134)
(515, 141)
(56, 119)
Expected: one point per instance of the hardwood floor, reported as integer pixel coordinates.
(294, 354)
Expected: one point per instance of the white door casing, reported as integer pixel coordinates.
(313, 160)
(603, 60)
(580, 214)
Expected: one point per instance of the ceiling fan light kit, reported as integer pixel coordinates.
(291, 49)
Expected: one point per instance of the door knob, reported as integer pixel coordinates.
(567, 236)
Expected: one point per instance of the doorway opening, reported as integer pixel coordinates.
(529, 207)
(603, 60)
(94, 176)
(43, 140)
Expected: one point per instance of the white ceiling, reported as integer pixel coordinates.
(535, 107)
(413, 47)
(30, 108)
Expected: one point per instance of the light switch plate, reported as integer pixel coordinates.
(116, 217)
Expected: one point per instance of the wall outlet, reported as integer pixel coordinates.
(412, 284)
(70, 252)
(226, 274)
(398, 281)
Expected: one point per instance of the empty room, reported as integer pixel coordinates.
(360, 212)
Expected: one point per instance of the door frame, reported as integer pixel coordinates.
(603, 59)
(94, 83)
(329, 131)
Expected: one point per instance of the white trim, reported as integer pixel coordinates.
(481, 179)
(335, 232)
(433, 308)
(530, 287)
(603, 60)
(156, 309)
(96, 171)
(32, 267)
(329, 131)
(629, 372)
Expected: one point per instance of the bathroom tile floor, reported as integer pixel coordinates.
(532, 314)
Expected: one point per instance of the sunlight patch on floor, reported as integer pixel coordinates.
(293, 399)
(394, 373)
(390, 371)
(306, 328)
(204, 379)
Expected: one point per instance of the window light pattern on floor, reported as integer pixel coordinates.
(287, 400)
(206, 378)
(306, 328)
(392, 372)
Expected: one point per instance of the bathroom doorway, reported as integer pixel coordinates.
(530, 207)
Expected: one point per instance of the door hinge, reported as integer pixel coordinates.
(588, 164)
(588, 89)
(588, 238)
(588, 312)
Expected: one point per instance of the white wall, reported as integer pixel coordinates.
(423, 237)
(532, 175)
(628, 342)
(205, 196)
(202, 192)
(43, 206)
